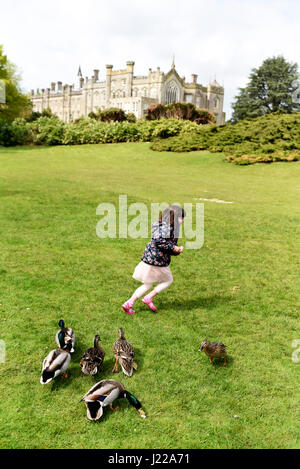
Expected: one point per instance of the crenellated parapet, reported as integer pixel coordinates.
(123, 89)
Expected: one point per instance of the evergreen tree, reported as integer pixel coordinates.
(16, 104)
(270, 89)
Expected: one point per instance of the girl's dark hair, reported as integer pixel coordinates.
(171, 215)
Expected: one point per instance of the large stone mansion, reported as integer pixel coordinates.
(122, 89)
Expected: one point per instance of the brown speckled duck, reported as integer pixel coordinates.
(92, 358)
(124, 353)
(214, 350)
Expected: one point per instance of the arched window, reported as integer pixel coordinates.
(172, 92)
(153, 93)
(96, 97)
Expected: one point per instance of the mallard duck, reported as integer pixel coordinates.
(124, 353)
(104, 394)
(214, 350)
(56, 363)
(92, 358)
(65, 335)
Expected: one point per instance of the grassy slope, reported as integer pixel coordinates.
(53, 263)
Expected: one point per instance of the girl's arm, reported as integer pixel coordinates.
(165, 244)
(163, 240)
(162, 237)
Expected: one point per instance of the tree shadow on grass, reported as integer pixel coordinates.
(9, 193)
(209, 302)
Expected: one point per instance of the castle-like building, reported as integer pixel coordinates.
(122, 89)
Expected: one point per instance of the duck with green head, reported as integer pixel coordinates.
(64, 336)
(103, 394)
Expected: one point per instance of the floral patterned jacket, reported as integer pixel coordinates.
(161, 246)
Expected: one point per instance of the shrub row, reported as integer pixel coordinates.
(112, 114)
(274, 137)
(52, 131)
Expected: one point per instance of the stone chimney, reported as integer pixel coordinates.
(194, 78)
(59, 86)
(96, 75)
(130, 67)
(32, 92)
(81, 82)
(53, 84)
(108, 83)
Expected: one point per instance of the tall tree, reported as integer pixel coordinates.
(270, 89)
(15, 103)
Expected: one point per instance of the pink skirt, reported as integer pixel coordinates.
(146, 273)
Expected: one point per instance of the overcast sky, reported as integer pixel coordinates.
(47, 40)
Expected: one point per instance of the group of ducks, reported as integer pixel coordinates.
(106, 391)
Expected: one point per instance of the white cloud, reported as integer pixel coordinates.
(222, 38)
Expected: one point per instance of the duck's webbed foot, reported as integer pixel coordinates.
(114, 408)
(115, 370)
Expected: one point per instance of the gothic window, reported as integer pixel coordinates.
(153, 93)
(145, 92)
(172, 92)
(216, 103)
(96, 97)
(188, 98)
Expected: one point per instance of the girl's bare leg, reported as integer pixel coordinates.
(140, 291)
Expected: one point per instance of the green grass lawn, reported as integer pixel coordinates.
(54, 266)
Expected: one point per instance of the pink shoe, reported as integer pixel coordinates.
(127, 307)
(149, 302)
